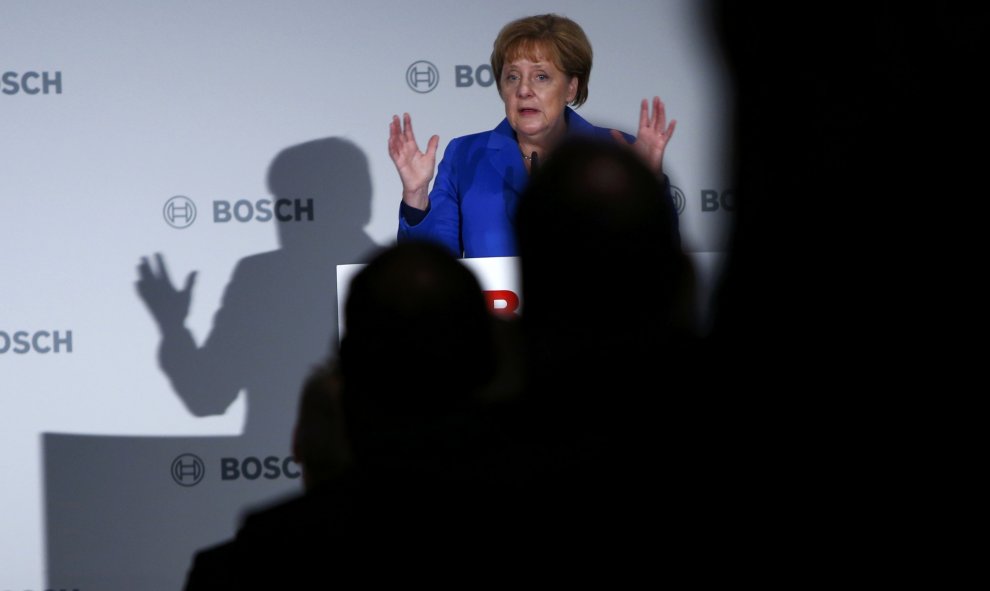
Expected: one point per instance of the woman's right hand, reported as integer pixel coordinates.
(415, 167)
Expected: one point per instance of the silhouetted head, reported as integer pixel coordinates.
(601, 264)
(418, 340)
(318, 441)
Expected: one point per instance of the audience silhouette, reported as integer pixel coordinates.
(605, 323)
(319, 447)
(603, 302)
(417, 354)
(319, 443)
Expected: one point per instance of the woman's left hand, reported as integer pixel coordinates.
(653, 134)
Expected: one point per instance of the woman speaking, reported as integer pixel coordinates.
(541, 64)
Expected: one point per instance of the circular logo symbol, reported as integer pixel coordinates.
(179, 212)
(422, 76)
(187, 470)
(679, 200)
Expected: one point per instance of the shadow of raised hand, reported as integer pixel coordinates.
(167, 305)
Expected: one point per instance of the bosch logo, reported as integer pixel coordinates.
(712, 200)
(252, 468)
(422, 77)
(31, 83)
(23, 342)
(179, 212)
(188, 470)
(264, 210)
(465, 76)
(679, 201)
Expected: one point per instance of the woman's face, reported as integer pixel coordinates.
(535, 94)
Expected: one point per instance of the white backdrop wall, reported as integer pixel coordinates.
(110, 109)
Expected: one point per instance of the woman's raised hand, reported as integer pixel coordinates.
(415, 167)
(653, 134)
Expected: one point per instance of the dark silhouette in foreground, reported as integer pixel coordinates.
(417, 353)
(606, 321)
(322, 452)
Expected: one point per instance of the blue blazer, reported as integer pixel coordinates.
(473, 201)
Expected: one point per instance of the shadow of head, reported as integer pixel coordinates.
(325, 183)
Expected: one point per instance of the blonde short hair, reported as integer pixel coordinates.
(552, 37)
